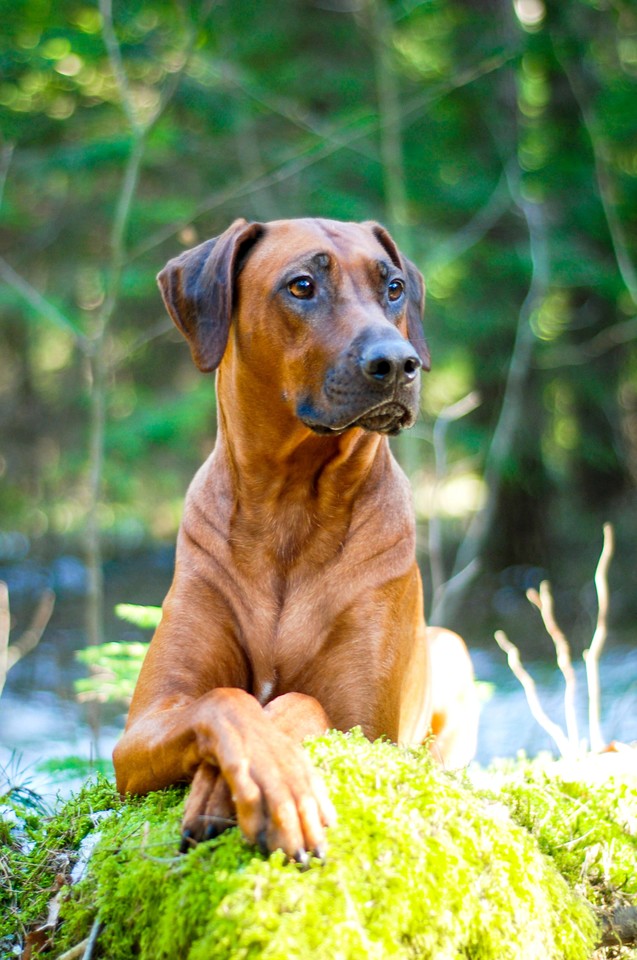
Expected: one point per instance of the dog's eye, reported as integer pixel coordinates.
(302, 288)
(395, 289)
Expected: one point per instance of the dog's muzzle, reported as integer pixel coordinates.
(375, 385)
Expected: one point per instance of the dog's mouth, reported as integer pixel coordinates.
(387, 418)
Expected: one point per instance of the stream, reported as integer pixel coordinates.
(42, 723)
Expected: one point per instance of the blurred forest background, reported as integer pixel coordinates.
(496, 140)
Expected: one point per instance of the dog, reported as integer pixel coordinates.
(296, 604)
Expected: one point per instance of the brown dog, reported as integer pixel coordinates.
(297, 602)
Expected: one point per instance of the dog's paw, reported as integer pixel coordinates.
(209, 808)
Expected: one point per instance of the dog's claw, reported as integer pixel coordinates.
(302, 857)
(186, 841)
(262, 843)
(320, 852)
(211, 832)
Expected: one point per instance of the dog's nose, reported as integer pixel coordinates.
(390, 362)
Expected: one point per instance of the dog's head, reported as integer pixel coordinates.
(327, 316)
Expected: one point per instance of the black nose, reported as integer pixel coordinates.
(390, 362)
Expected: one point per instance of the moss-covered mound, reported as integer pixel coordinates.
(420, 864)
(418, 867)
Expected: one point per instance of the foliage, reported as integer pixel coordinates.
(114, 666)
(458, 130)
(147, 618)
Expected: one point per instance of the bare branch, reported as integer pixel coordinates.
(622, 332)
(604, 182)
(544, 602)
(345, 135)
(101, 365)
(10, 655)
(117, 65)
(5, 628)
(76, 952)
(473, 231)
(42, 306)
(6, 155)
(513, 403)
(33, 634)
(379, 24)
(452, 588)
(593, 654)
(528, 683)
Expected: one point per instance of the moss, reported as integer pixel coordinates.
(587, 827)
(37, 848)
(419, 865)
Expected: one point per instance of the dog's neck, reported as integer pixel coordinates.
(280, 457)
(280, 472)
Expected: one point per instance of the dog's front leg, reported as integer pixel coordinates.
(279, 799)
(210, 808)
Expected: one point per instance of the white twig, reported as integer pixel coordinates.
(28, 641)
(75, 952)
(528, 683)
(33, 634)
(593, 654)
(96, 929)
(5, 626)
(544, 602)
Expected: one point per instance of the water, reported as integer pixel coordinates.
(41, 719)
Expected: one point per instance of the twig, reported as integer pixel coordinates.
(343, 136)
(622, 332)
(33, 634)
(544, 602)
(28, 641)
(390, 127)
(39, 303)
(74, 952)
(619, 242)
(513, 403)
(593, 654)
(100, 363)
(96, 929)
(528, 684)
(117, 64)
(5, 626)
(6, 155)
(455, 586)
(472, 232)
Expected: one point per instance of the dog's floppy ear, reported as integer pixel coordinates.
(415, 289)
(198, 290)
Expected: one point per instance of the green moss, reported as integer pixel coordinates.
(588, 827)
(36, 848)
(419, 865)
